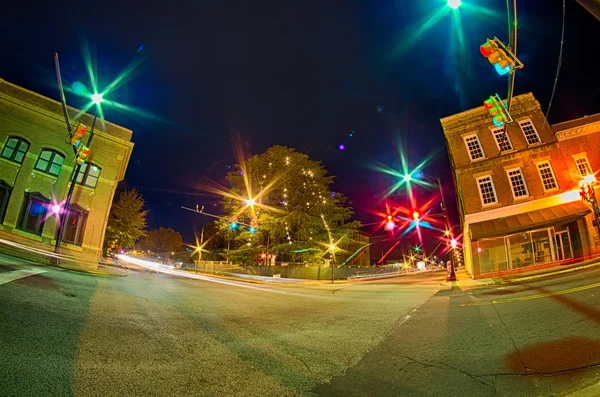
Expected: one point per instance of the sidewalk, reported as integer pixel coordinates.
(464, 279)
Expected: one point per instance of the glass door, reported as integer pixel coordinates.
(563, 245)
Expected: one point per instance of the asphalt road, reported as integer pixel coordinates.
(148, 334)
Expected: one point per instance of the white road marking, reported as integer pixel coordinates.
(17, 274)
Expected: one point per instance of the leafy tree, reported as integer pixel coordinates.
(294, 211)
(162, 240)
(126, 222)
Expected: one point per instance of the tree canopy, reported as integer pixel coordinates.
(127, 220)
(282, 198)
(162, 240)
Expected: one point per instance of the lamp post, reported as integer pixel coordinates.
(587, 193)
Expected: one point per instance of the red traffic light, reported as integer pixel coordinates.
(389, 218)
(486, 49)
(82, 154)
(78, 133)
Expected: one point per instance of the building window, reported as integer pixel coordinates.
(547, 175)
(35, 208)
(74, 228)
(487, 190)
(529, 131)
(517, 182)
(474, 147)
(583, 165)
(15, 149)
(50, 162)
(502, 139)
(5, 191)
(88, 175)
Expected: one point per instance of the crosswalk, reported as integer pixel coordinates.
(7, 277)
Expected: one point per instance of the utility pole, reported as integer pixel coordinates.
(452, 275)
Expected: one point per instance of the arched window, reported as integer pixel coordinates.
(15, 149)
(50, 162)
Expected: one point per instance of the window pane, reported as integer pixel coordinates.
(24, 146)
(548, 180)
(41, 165)
(91, 181)
(474, 147)
(19, 157)
(529, 132)
(58, 159)
(7, 152)
(46, 154)
(95, 171)
(502, 139)
(521, 252)
(518, 183)
(12, 143)
(487, 190)
(54, 169)
(492, 255)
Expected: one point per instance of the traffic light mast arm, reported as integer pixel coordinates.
(214, 216)
(62, 94)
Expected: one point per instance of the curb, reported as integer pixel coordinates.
(542, 275)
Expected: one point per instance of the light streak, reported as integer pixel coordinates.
(180, 273)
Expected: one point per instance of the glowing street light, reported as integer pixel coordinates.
(454, 4)
(97, 98)
(453, 243)
(56, 208)
(407, 178)
(250, 202)
(332, 247)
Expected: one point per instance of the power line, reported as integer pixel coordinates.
(560, 57)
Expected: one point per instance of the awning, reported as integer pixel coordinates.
(537, 219)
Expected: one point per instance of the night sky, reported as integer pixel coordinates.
(303, 74)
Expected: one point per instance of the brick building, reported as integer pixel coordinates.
(521, 207)
(36, 165)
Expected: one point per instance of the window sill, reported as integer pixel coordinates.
(531, 145)
(71, 246)
(478, 160)
(29, 235)
(45, 174)
(521, 199)
(503, 152)
(488, 206)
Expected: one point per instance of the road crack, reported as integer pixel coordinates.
(444, 367)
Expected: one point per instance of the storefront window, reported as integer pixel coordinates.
(492, 255)
(542, 246)
(520, 250)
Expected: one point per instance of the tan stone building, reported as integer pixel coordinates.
(36, 164)
(520, 208)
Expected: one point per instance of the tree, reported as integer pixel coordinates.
(284, 204)
(127, 221)
(162, 240)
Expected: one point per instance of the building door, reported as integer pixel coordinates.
(563, 245)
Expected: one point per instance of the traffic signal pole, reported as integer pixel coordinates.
(63, 214)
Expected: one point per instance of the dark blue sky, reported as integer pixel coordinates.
(296, 73)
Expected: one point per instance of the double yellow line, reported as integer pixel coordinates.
(537, 296)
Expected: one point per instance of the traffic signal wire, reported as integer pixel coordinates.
(560, 57)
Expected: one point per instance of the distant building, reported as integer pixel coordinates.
(521, 207)
(36, 165)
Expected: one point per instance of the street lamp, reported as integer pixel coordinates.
(454, 4)
(587, 193)
(250, 202)
(97, 99)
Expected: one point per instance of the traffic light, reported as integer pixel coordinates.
(497, 110)
(82, 154)
(78, 132)
(234, 223)
(252, 227)
(500, 56)
(416, 215)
